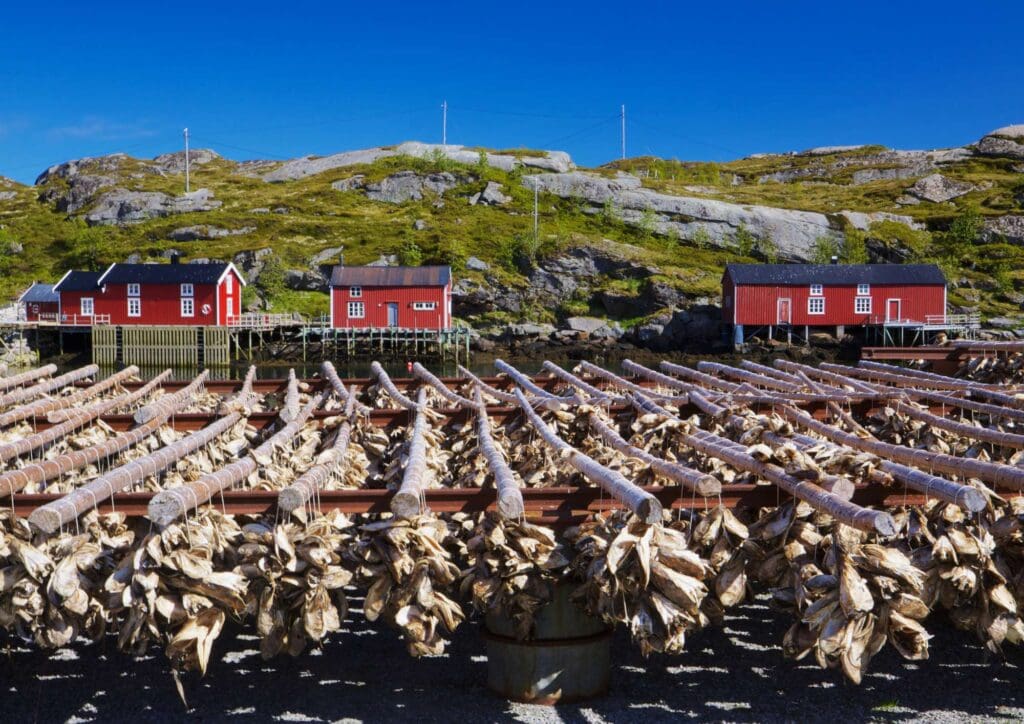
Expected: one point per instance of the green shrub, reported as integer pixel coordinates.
(701, 238)
(744, 241)
(410, 254)
(855, 249)
(823, 249)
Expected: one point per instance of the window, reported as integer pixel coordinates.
(187, 290)
(229, 308)
(424, 306)
(134, 307)
(863, 290)
(229, 283)
(817, 290)
(862, 305)
(816, 305)
(356, 310)
(188, 307)
(133, 290)
(86, 306)
(355, 292)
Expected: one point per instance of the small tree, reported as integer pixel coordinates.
(410, 254)
(855, 249)
(957, 242)
(766, 247)
(701, 238)
(744, 240)
(823, 249)
(648, 224)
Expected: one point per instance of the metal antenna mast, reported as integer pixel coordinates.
(536, 216)
(444, 123)
(186, 163)
(623, 130)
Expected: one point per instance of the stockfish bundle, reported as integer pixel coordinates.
(513, 567)
(407, 570)
(295, 580)
(641, 575)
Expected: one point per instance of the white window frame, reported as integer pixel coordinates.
(863, 290)
(862, 305)
(355, 292)
(424, 306)
(817, 290)
(187, 290)
(188, 307)
(229, 308)
(135, 290)
(356, 310)
(816, 306)
(134, 303)
(84, 303)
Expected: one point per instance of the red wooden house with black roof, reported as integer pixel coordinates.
(832, 295)
(153, 294)
(391, 296)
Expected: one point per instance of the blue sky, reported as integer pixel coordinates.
(712, 81)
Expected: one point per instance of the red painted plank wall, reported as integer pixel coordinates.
(759, 304)
(376, 299)
(160, 304)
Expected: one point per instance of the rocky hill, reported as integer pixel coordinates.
(638, 243)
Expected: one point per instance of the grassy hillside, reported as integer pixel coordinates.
(300, 218)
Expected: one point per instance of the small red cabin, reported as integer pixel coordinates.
(39, 303)
(397, 296)
(832, 295)
(153, 294)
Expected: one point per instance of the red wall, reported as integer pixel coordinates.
(161, 304)
(70, 306)
(33, 310)
(223, 295)
(758, 304)
(376, 300)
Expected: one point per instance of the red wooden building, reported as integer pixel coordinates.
(396, 296)
(832, 295)
(152, 294)
(39, 303)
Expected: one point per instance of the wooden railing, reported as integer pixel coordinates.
(262, 322)
(84, 320)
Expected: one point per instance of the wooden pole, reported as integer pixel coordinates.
(168, 505)
(510, 497)
(640, 502)
(300, 492)
(8, 383)
(67, 413)
(331, 375)
(408, 501)
(377, 371)
(25, 394)
(157, 408)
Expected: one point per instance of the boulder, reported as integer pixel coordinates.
(126, 207)
(471, 298)
(204, 232)
(587, 325)
(8, 195)
(1007, 141)
(793, 233)
(135, 258)
(528, 330)
(475, 264)
(171, 253)
(260, 210)
(939, 189)
(89, 165)
(410, 186)
(310, 165)
(419, 225)
(349, 184)
(78, 192)
(863, 221)
(385, 260)
(491, 195)
(250, 263)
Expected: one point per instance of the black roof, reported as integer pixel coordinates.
(39, 294)
(164, 273)
(835, 274)
(391, 276)
(78, 281)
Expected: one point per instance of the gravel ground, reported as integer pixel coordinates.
(731, 674)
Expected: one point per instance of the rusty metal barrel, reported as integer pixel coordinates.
(568, 658)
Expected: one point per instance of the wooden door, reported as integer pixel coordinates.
(784, 313)
(392, 314)
(892, 310)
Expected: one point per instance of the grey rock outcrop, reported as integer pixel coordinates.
(385, 260)
(203, 232)
(89, 164)
(792, 232)
(174, 163)
(558, 161)
(331, 254)
(939, 189)
(352, 183)
(8, 195)
(410, 186)
(251, 262)
(78, 192)
(1010, 228)
(863, 221)
(305, 280)
(475, 264)
(1006, 141)
(121, 206)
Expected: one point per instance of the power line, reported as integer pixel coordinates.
(561, 139)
